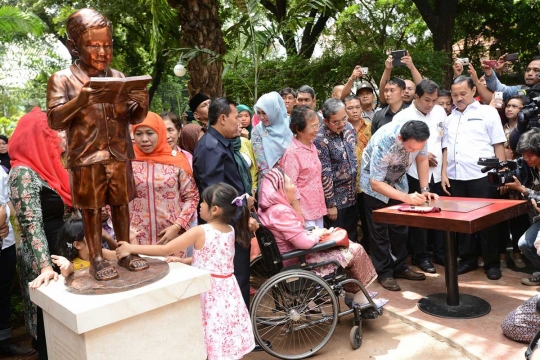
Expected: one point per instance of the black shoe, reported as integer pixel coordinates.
(8, 348)
(259, 347)
(427, 266)
(410, 275)
(464, 268)
(494, 273)
(438, 260)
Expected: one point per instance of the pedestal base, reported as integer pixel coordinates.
(162, 320)
(81, 282)
(469, 306)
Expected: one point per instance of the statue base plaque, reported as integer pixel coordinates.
(161, 320)
(81, 282)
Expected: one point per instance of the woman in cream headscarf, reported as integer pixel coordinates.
(272, 136)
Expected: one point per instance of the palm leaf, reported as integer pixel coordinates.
(16, 22)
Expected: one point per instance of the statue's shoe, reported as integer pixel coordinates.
(102, 271)
(133, 262)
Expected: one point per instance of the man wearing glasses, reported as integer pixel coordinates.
(336, 143)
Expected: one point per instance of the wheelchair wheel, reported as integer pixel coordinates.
(296, 312)
(258, 273)
(356, 337)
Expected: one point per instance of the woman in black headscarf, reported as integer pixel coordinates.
(5, 160)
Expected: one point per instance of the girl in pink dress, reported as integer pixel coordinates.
(227, 327)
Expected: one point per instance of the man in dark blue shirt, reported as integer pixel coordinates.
(213, 162)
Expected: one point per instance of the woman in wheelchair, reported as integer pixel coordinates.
(277, 215)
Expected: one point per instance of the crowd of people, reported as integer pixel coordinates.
(302, 169)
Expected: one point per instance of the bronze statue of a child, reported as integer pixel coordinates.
(99, 149)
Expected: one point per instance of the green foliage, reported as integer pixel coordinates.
(380, 24)
(508, 25)
(14, 22)
(325, 72)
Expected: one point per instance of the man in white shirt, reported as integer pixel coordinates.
(472, 131)
(424, 108)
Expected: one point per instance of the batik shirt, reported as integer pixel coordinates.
(362, 139)
(339, 167)
(385, 159)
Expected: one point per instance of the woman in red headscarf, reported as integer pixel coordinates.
(167, 196)
(41, 196)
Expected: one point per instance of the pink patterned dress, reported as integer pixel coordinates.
(227, 327)
(166, 195)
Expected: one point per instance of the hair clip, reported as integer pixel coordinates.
(239, 201)
(69, 245)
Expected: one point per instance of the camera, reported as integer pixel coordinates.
(463, 61)
(528, 116)
(499, 178)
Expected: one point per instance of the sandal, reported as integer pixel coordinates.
(133, 263)
(106, 272)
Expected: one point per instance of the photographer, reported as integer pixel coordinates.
(531, 78)
(528, 185)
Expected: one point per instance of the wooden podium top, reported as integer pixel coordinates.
(457, 215)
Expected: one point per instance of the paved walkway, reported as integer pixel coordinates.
(405, 332)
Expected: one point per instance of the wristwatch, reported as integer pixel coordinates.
(424, 189)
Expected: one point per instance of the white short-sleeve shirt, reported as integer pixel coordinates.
(468, 136)
(434, 120)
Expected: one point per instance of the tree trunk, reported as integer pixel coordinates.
(201, 27)
(440, 21)
(157, 75)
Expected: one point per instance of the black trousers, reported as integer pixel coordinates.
(8, 261)
(486, 242)
(347, 218)
(418, 238)
(388, 243)
(362, 216)
(241, 270)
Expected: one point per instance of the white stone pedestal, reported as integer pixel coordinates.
(158, 321)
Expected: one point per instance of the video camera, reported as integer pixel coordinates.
(529, 115)
(499, 178)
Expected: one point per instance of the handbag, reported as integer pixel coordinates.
(339, 236)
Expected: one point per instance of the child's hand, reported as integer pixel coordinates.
(123, 250)
(47, 273)
(61, 262)
(170, 259)
(133, 233)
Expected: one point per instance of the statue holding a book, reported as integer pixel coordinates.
(95, 105)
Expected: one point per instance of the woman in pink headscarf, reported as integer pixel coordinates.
(277, 215)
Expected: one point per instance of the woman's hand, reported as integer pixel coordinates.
(253, 224)
(47, 274)
(332, 213)
(168, 234)
(516, 185)
(61, 262)
(123, 250)
(245, 133)
(533, 202)
(319, 232)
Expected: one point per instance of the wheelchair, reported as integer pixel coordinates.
(295, 312)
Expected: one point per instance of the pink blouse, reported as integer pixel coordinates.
(166, 195)
(301, 164)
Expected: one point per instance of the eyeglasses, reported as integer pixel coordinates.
(339, 122)
(315, 126)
